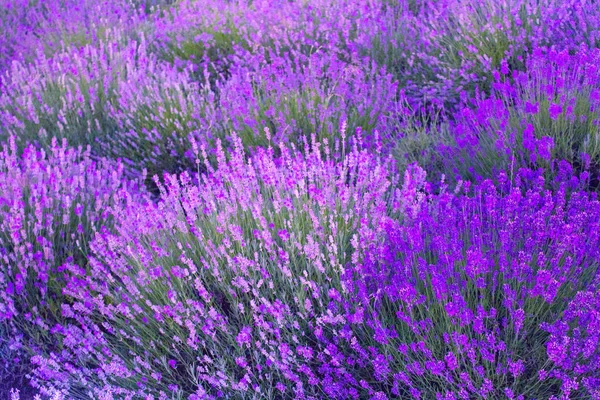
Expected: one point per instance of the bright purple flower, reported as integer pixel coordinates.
(518, 319)
(531, 108)
(244, 336)
(379, 396)
(280, 386)
(451, 361)
(415, 393)
(381, 367)
(554, 110)
(545, 145)
(516, 368)
(509, 393)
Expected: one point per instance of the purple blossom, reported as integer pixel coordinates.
(555, 110)
(531, 108)
(350, 199)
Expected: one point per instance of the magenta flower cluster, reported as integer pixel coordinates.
(316, 199)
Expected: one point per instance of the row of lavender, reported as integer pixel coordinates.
(300, 199)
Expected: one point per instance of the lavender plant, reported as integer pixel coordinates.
(51, 205)
(267, 265)
(478, 294)
(223, 286)
(30, 27)
(116, 97)
(258, 284)
(293, 101)
(544, 118)
(201, 35)
(441, 51)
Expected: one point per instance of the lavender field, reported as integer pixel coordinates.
(300, 199)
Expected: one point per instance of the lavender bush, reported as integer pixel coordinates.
(535, 119)
(30, 27)
(251, 253)
(116, 97)
(477, 293)
(349, 199)
(51, 205)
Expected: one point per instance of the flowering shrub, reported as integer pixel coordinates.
(116, 97)
(488, 294)
(210, 33)
(267, 265)
(316, 95)
(441, 51)
(280, 65)
(273, 281)
(201, 35)
(224, 286)
(534, 119)
(30, 27)
(51, 204)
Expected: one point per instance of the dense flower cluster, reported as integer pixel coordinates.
(534, 119)
(116, 97)
(469, 283)
(30, 27)
(316, 199)
(242, 263)
(51, 205)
